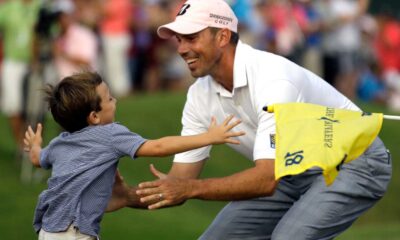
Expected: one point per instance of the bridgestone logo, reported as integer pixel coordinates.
(183, 9)
(218, 17)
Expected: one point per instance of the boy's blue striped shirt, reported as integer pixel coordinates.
(83, 169)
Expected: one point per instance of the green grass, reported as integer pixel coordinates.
(155, 116)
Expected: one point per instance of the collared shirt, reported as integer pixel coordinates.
(83, 169)
(78, 42)
(260, 79)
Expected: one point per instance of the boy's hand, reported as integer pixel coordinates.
(33, 144)
(222, 133)
(33, 139)
(123, 195)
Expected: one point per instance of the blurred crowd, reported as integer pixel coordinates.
(42, 41)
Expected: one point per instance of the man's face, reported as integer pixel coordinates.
(200, 51)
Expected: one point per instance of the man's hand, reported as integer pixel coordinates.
(164, 192)
(256, 181)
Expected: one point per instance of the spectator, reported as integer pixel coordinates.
(388, 54)
(17, 21)
(283, 18)
(116, 40)
(88, 12)
(312, 50)
(76, 47)
(341, 42)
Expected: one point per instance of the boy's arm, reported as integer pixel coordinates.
(216, 134)
(124, 196)
(33, 144)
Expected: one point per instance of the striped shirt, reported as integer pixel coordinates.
(83, 166)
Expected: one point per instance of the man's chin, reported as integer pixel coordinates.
(197, 74)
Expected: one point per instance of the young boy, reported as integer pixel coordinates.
(84, 158)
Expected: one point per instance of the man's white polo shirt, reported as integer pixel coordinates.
(260, 79)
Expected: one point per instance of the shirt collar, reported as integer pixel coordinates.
(239, 72)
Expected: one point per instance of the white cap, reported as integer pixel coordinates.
(196, 15)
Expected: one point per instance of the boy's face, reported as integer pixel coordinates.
(108, 104)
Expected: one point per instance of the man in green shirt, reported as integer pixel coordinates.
(17, 22)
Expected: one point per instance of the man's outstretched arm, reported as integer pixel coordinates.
(253, 182)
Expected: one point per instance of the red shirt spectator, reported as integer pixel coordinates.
(388, 45)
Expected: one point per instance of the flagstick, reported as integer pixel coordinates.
(391, 117)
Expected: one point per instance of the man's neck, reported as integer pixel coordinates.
(224, 73)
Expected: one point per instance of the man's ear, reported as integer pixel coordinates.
(93, 118)
(224, 36)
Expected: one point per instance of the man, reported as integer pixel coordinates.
(341, 42)
(17, 21)
(76, 46)
(234, 78)
(114, 30)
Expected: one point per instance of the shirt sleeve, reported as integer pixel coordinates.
(192, 125)
(125, 142)
(279, 92)
(44, 158)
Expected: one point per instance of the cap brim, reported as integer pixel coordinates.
(182, 27)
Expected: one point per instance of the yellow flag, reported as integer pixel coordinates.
(309, 135)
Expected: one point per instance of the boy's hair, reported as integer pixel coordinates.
(72, 100)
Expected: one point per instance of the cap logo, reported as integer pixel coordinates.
(221, 19)
(183, 9)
